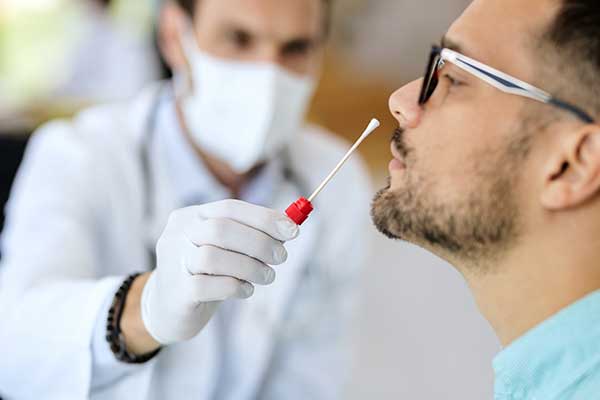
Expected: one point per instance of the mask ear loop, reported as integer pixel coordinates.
(182, 80)
(181, 83)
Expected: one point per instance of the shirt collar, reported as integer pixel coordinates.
(552, 355)
(192, 181)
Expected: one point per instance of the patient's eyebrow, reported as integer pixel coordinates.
(448, 43)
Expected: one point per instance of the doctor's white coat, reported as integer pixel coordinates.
(76, 227)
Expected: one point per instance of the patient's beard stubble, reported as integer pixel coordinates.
(480, 224)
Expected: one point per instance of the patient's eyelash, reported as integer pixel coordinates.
(452, 80)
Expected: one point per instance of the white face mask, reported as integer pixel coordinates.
(240, 112)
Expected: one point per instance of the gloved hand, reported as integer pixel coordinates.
(208, 254)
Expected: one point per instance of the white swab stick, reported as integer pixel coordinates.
(374, 124)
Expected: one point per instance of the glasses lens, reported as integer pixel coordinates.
(430, 81)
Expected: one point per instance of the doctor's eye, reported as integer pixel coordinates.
(297, 47)
(241, 39)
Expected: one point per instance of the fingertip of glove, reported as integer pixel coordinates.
(246, 290)
(288, 229)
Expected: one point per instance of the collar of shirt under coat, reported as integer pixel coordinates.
(192, 181)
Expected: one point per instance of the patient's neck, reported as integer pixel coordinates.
(536, 281)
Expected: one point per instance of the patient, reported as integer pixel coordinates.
(506, 188)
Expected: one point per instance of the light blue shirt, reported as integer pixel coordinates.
(557, 360)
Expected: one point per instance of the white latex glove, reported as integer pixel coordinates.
(208, 254)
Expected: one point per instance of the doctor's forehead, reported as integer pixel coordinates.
(264, 17)
(503, 33)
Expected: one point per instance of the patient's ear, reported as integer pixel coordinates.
(573, 172)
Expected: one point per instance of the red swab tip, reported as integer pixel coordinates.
(299, 210)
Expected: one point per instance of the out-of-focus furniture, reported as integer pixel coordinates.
(11, 153)
(14, 134)
(345, 102)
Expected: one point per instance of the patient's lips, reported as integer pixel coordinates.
(397, 162)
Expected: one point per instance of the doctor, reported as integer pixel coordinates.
(138, 188)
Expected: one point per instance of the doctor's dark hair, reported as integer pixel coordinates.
(571, 51)
(190, 5)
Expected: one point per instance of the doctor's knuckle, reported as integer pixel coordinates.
(214, 228)
(175, 218)
(229, 206)
(197, 291)
(164, 243)
(207, 258)
(160, 243)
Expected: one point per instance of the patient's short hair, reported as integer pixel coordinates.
(571, 45)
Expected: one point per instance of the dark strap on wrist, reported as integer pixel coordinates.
(114, 336)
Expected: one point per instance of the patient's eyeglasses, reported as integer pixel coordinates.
(501, 81)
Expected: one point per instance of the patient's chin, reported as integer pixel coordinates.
(383, 214)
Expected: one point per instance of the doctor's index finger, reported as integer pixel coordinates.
(273, 223)
(231, 235)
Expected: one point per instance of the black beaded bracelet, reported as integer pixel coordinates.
(114, 336)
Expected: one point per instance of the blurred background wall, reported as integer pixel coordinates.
(418, 333)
